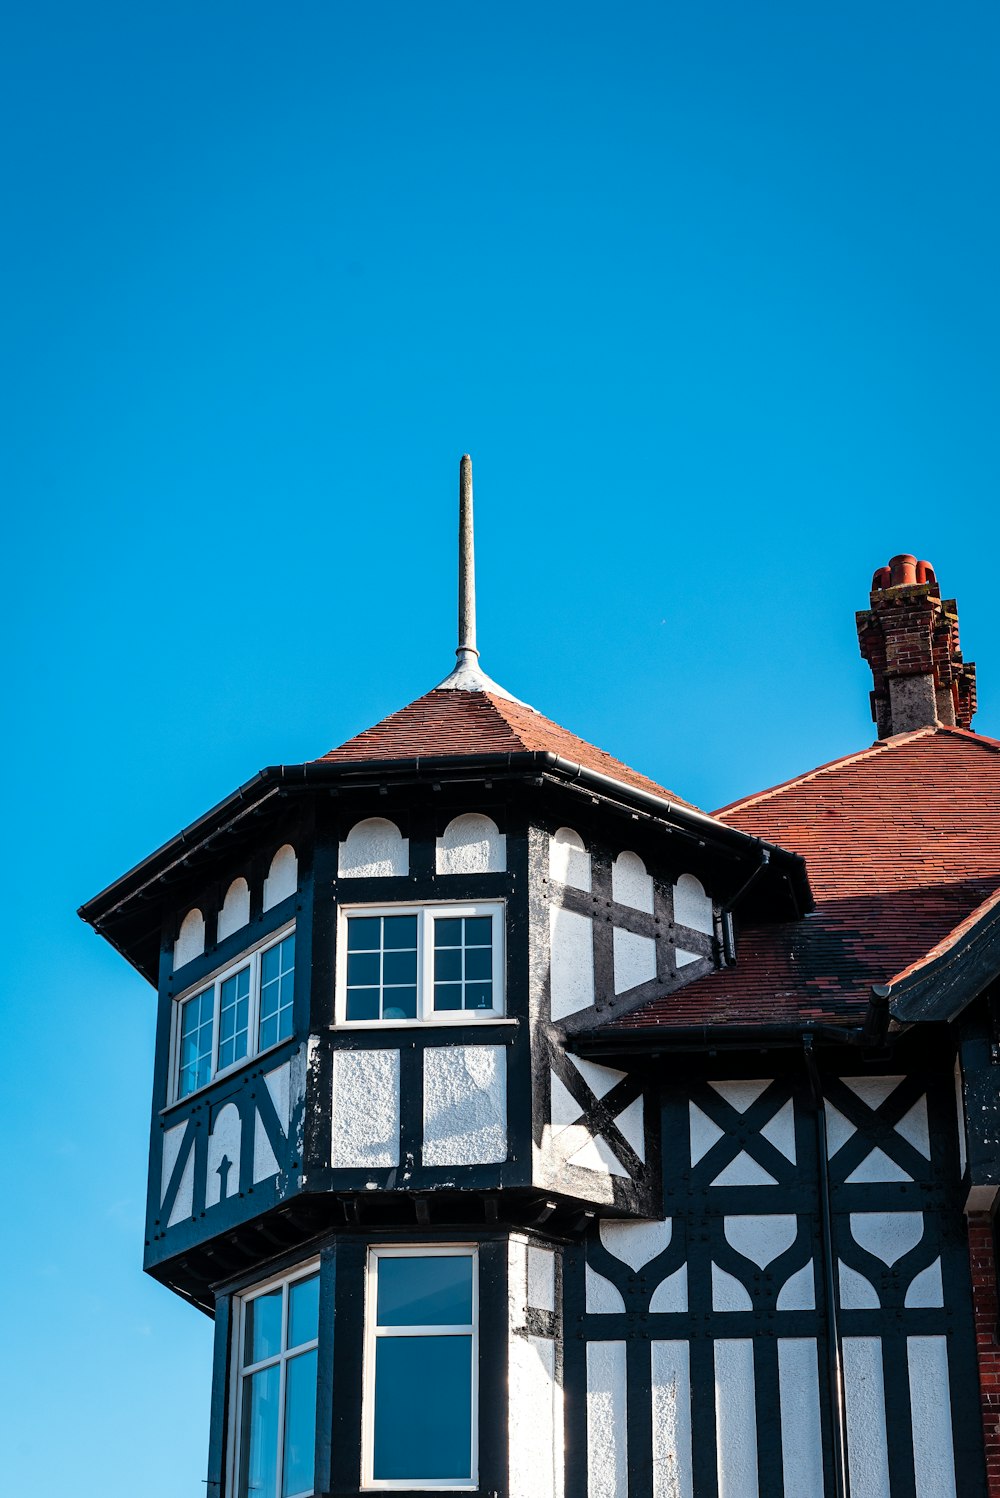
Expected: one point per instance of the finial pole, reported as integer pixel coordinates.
(466, 652)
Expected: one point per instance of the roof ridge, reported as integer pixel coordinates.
(880, 746)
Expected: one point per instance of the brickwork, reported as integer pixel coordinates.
(982, 1260)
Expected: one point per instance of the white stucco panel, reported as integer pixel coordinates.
(465, 1105)
(235, 912)
(569, 861)
(373, 849)
(471, 844)
(635, 959)
(572, 962)
(534, 1420)
(607, 1421)
(365, 1110)
(224, 1144)
(282, 877)
(190, 941)
(630, 884)
(692, 907)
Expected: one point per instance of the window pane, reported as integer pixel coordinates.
(362, 1003)
(362, 968)
(263, 1327)
(399, 1003)
(300, 1424)
(259, 1434)
(448, 931)
(277, 992)
(423, 1406)
(479, 931)
(448, 964)
(303, 1311)
(400, 931)
(478, 964)
(399, 967)
(196, 1041)
(479, 996)
(447, 996)
(418, 1291)
(363, 933)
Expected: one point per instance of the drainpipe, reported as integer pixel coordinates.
(835, 1368)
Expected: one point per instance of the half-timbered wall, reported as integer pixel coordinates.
(702, 1341)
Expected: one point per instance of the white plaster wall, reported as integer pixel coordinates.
(569, 861)
(471, 844)
(572, 962)
(636, 1243)
(634, 959)
(607, 1421)
(172, 1140)
(864, 1402)
(692, 906)
(282, 877)
(465, 1105)
(278, 1084)
(190, 941)
(761, 1239)
(224, 1142)
(365, 1110)
(735, 1418)
(630, 884)
(801, 1435)
(374, 848)
(235, 912)
(535, 1399)
(673, 1472)
(541, 1275)
(602, 1297)
(930, 1408)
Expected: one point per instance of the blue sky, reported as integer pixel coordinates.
(710, 294)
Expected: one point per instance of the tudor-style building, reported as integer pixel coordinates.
(528, 1131)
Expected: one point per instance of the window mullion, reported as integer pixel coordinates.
(216, 1022)
(425, 935)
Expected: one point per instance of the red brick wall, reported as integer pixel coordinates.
(984, 1303)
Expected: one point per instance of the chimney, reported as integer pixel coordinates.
(910, 640)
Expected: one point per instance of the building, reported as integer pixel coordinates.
(527, 1130)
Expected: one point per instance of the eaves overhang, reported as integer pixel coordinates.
(786, 883)
(953, 974)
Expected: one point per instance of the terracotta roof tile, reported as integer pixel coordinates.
(902, 845)
(449, 722)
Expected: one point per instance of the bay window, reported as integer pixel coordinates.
(421, 1369)
(275, 1405)
(430, 963)
(245, 1009)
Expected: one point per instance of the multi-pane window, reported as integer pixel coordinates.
(421, 1369)
(276, 1393)
(433, 962)
(243, 1010)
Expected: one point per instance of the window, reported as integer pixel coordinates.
(243, 1010)
(275, 1408)
(431, 963)
(421, 1369)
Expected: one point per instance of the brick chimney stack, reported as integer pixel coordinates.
(910, 640)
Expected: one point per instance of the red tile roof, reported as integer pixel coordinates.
(449, 722)
(902, 844)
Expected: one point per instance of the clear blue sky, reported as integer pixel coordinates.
(710, 293)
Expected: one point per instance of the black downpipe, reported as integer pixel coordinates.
(835, 1366)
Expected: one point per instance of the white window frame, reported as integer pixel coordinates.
(253, 958)
(426, 911)
(373, 1332)
(240, 1375)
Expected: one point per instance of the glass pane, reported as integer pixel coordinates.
(399, 967)
(400, 931)
(263, 1327)
(363, 968)
(447, 996)
(362, 1003)
(259, 1434)
(448, 931)
(300, 1424)
(435, 1290)
(448, 964)
(303, 1311)
(479, 996)
(423, 1407)
(269, 1031)
(363, 933)
(479, 931)
(478, 963)
(399, 1003)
